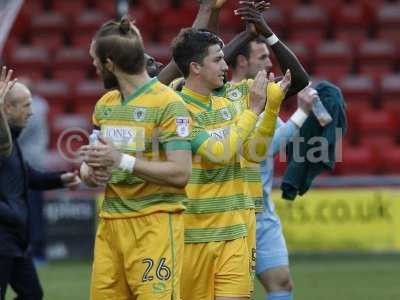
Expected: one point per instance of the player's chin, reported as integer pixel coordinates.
(219, 82)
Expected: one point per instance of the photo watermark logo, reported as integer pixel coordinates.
(219, 149)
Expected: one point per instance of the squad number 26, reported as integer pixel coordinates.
(162, 272)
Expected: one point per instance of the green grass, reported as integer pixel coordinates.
(319, 278)
(345, 278)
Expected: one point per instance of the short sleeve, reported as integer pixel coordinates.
(175, 126)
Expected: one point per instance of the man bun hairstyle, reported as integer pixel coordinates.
(122, 43)
(124, 25)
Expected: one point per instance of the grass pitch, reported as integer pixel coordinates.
(316, 278)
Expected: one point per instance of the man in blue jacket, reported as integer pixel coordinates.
(16, 177)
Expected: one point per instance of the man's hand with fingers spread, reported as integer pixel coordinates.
(258, 92)
(286, 81)
(276, 92)
(5, 83)
(5, 135)
(253, 13)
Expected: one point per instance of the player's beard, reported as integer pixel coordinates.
(110, 81)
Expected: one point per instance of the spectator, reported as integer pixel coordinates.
(16, 176)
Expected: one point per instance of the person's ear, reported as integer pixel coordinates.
(195, 68)
(109, 65)
(6, 107)
(242, 61)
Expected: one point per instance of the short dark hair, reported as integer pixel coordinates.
(245, 50)
(122, 44)
(191, 45)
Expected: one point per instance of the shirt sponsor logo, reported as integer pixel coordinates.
(220, 133)
(125, 137)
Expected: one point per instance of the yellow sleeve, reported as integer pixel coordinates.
(175, 126)
(222, 151)
(255, 147)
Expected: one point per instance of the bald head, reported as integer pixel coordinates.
(19, 92)
(17, 105)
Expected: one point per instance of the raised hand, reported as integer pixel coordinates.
(258, 92)
(250, 13)
(276, 92)
(286, 81)
(305, 99)
(261, 6)
(5, 82)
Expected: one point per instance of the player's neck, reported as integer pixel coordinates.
(130, 83)
(196, 85)
(238, 76)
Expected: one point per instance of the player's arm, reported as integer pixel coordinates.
(287, 131)
(173, 134)
(5, 135)
(222, 151)
(174, 171)
(208, 15)
(207, 18)
(256, 147)
(285, 57)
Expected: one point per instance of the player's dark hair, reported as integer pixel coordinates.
(191, 45)
(245, 50)
(122, 44)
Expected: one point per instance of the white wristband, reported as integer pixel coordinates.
(272, 40)
(299, 117)
(127, 163)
